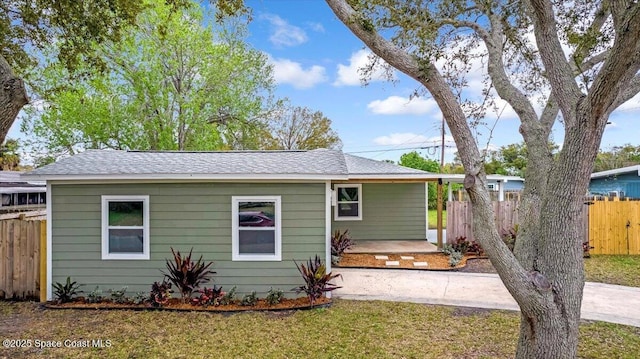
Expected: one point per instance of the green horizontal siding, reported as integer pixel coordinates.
(390, 211)
(184, 216)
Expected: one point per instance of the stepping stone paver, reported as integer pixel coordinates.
(420, 264)
(382, 257)
(406, 258)
(392, 263)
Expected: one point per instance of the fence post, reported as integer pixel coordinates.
(43, 261)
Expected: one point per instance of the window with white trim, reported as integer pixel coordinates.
(348, 202)
(125, 227)
(256, 228)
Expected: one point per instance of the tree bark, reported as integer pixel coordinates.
(13, 97)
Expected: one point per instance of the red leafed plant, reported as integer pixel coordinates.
(316, 279)
(208, 296)
(186, 274)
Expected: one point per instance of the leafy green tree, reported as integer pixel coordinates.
(9, 155)
(616, 157)
(300, 128)
(27, 26)
(415, 160)
(171, 83)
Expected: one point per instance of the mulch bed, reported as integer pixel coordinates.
(176, 304)
(436, 261)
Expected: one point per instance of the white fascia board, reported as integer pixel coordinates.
(23, 189)
(192, 177)
(417, 176)
(617, 171)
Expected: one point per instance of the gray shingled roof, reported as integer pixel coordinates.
(321, 163)
(357, 165)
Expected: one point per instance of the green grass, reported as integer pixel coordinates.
(349, 329)
(613, 269)
(433, 219)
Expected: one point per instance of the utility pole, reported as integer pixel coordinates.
(440, 191)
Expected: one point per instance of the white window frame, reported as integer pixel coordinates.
(106, 255)
(235, 229)
(336, 214)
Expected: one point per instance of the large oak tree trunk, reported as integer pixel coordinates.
(13, 97)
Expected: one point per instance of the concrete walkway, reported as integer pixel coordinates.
(604, 302)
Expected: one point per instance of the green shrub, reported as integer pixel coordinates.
(250, 299)
(95, 296)
(66, 292)
(229, 297)
(316, 279)
(274, 296)
(119, 296)
(186, 274)
(140, 298)
(455, 258)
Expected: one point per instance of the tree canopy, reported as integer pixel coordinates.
(169, 83)
(300, 128)
(27, 26)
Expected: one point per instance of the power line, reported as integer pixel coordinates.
(404, 149)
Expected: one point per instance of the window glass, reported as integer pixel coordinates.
(125, 240)
(257, 242)
(125, 213)
(347, 209)
(256, 214)
(347, 194)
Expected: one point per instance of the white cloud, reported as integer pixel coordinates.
(289, 72)
(283, 33)
(632, 105)
(315, 26)
(396, 105)
(350, 75)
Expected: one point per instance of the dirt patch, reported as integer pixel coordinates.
(467, 311)
(15, 317)
(478, 265)
(435, 261)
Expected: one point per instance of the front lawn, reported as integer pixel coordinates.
(433, 219)
(349, 329)
(613, 269)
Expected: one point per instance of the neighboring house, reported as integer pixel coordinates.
(114, 215)
(19, 195)
(621, 182)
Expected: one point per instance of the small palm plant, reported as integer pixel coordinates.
(65, 292)
(186, 274)
(316, 279)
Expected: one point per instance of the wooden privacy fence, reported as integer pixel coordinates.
(614, 226)
(460, 219)
(20, 259)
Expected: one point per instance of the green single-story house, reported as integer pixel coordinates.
(113, 216)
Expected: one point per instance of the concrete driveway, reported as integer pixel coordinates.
(604, 302)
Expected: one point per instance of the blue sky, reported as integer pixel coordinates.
(316, 61)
